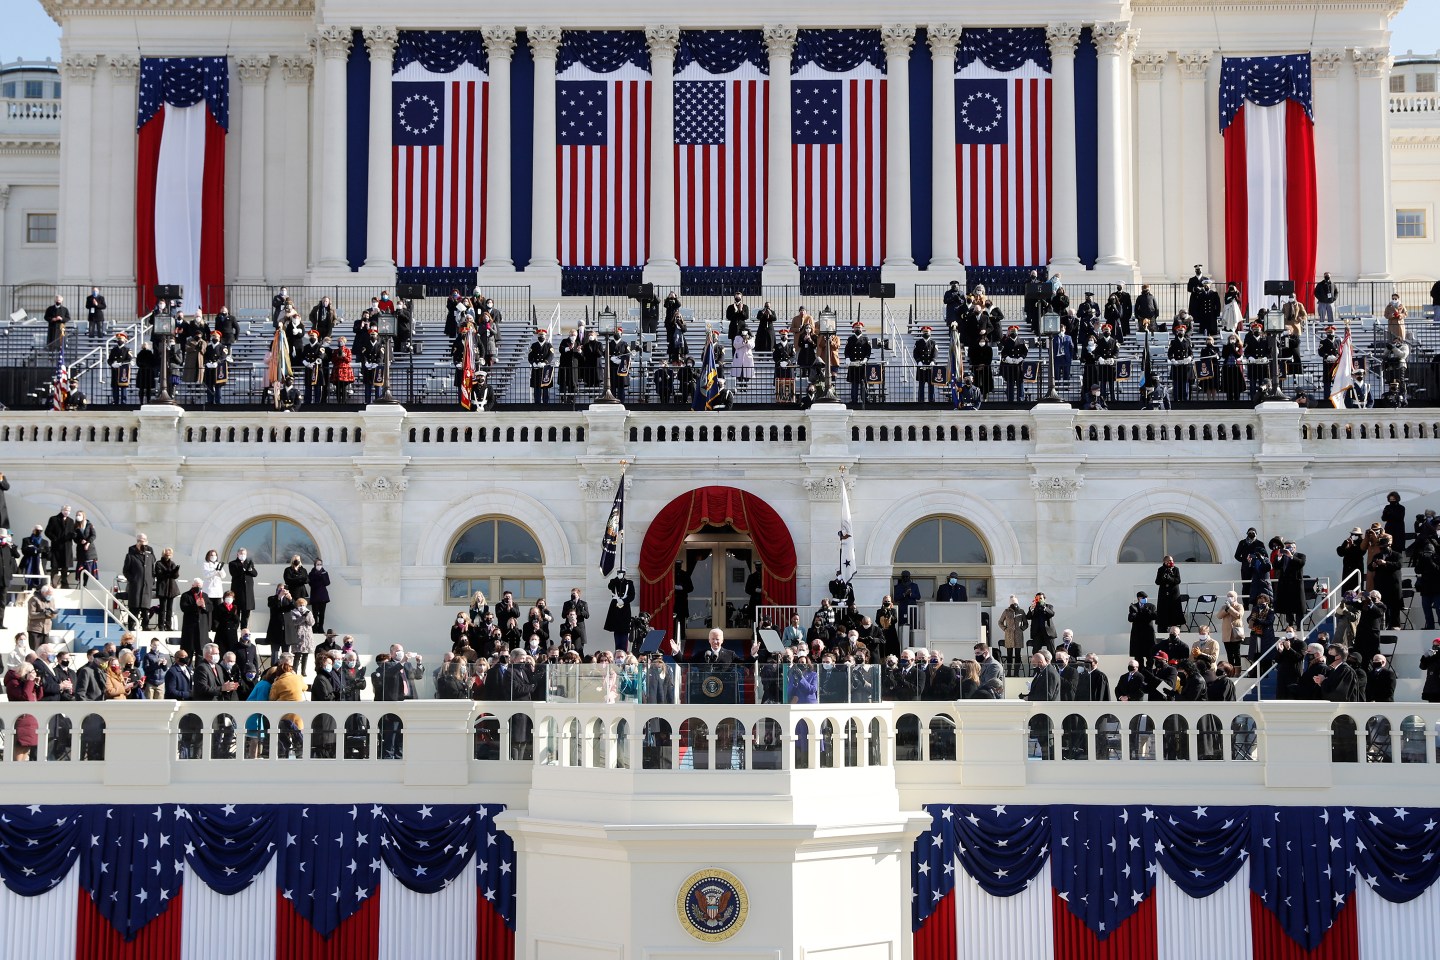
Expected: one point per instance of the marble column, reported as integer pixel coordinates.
(661, 267)
(4, 202)
(1170, 139)
(334, 41)
(544, 46)
(1194, 175)
(76, 176)
(295, 179)
(780, 265)
(897, 39)
(1150, 245)
(1372, 139)
(500, 50)
(1334, 166)
(1112, 43)
(254, 71)
(102, 130)
(120, 243)
(379, 231)
(1064, 187)
(1127, 148)
(943, 38)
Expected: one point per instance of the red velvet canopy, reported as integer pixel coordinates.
(718, 506)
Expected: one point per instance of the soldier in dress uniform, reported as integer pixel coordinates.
(619, 364)
(569, 367)
(1205, 308)
(924, 354)
(482, 395)
(857, 352)
(784, 357)
(289, 397)
(1182, 363)
(541, 359)
(970, 396)
(217, 367)
(119, 360)
(1329, 350)
(312, 358)
(1107, 353)
(1013, 351)
(1257, 358)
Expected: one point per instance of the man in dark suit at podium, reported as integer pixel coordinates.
(715, 675)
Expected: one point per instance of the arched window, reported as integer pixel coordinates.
(1155, 539)
(273, 540)
(494, 555)
(936, 546)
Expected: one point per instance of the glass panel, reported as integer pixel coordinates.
(1185, 543)
(737, 601)
(290, 540)
(702, 599)
(259, 540)
(459, 589)
(34, 89)
(1145, 544)
(515, 545)
(8, 91)
(526, 591)
(976, 588)
(959, 544)
(476, 545)
(921, 543)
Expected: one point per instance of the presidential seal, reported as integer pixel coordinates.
(712, 905)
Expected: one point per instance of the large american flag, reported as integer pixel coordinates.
(1191, 882)
(838, 155)
(438, 201)
(257, 882)
(603, 141)
(1002, 159)
(720, 169)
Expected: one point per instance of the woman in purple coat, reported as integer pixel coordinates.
(319, 592)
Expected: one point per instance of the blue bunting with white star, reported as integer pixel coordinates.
(1300, 867)
(184, 82)
(1264, 81)
(38, 846)
(1397, 851)
(1102, 864)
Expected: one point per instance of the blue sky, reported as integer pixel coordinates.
(30, 34)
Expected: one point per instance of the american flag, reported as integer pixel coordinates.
(61, 384)
(720, 168)
(838, 149)
(256, 882)
(439, 183)
(603, 164)
(1002, 157)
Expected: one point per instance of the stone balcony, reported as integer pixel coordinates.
(29, 118)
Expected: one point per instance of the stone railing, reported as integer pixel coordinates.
(389, 431)
(940, 750)
(1415, 103)
(23, 110)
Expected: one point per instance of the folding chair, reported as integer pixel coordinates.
(1393, 639)
(1407, 601)
(1203, 606)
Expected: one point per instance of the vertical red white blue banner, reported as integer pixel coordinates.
(838, 155)
(1176, 883)
(721, 136)
(1002, 147)
(440, 96)
(181, 123)
(602, 132)
(1267, 121)
(239, 882)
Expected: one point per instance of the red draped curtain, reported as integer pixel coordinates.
(716, 506)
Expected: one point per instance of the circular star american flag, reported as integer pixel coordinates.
(981, 112)
(419, 113)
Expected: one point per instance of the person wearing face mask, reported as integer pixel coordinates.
(952, 590)
(1232, 373)
(312, 361)
(1168, 611)
(242, 583)
(318, 581)
(1380, 681)
(217, 368)
(980, 358)
(245, 656)
(40, 611)
(212, 572)
(1012, 628)
(737, 317)
(225, 621)
(297, 578)
(1338, 685)
(139, 572)
(1395, 315)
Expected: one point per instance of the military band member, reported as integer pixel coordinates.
(970, 396)
(1182, 363)
(619, 364)
(312, 359)
(217, 367)
(924, 354)
(289, 396)
(482, 395)
(1013, 350)
(955, 304)
(1205, 308)
(542, 372)
(119, 360)
(857, 352)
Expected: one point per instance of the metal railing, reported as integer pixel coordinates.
(92, 591)
(1267, 657)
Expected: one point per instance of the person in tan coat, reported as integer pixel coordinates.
(1232, 626)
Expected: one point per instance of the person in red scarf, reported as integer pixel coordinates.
(342, 370)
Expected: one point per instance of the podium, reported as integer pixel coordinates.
(953, 629)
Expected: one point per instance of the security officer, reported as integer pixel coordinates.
(1182, 363)
(1013, 351)
(119, 360)
(924, 354)
(541, 359)
(857, 353)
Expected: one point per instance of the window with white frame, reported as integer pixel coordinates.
(1411, 225)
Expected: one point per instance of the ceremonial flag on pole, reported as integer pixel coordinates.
(1344, 380)
(706, 387)
(60, 390)
(184, 113)
(467, 371)
(1002, 147)
(1267, 120)
(957, 369)
(838, 147)
(613, 540)
(847, 535)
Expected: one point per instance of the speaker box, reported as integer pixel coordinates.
(882, 291)
(1279, 288)
(640, 291)
(168, 291)
(410, 291)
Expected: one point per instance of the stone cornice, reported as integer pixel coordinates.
(29, 146)
(160, 8)
(1388, 7)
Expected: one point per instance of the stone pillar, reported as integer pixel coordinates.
(780, 265)
(102, 130)
(250, 264)
(1170, 135)
(1372, 139)
(4, 202)
(76, 175)
(544, 46)
(500, 48)
(334, 42)
(1056, 486)
(295, 181)
(379, 231)
(1064, 188)
(1112, 43)
(662, 268)
(1127, 148)
(380, 485)
(1336, 248)
(945, 209)
(1194, 176)
(897, 38)
(120, 241)
(1150, 70)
